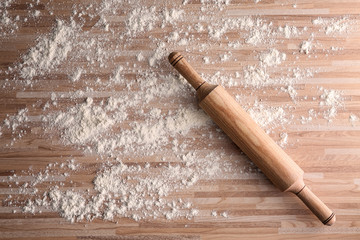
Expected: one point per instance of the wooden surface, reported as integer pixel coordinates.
(327, 152)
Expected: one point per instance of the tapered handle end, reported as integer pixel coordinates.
(323, 213)
(173, 57)
(332, 220)
(185, 69)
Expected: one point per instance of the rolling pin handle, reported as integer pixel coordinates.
(320, 210)
(186, 70)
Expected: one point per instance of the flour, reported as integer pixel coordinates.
(76, 75)
(214, 4)
(206, 60)
(17, 120)
(258, 76)
(219, 78)
(117, 76)
(312, 114)
(88, 122)
(159, 54)
(122, 191)
(140, 57)
(258, 30)
(305, 47)
(268, 117)
(72, 165)
(283, 139)
(8, 24)
(353, 119)
(272, 57)
(141, 20)
(289, 31)
(291, 91)
(224, 214)
(172, 15)
(16, 125)
(151, 136)
(333, 25)
(174, 36)
(225, 57)
(36, 13)
(83, 123)
(71, 205)
(49, 52)
(332, 100)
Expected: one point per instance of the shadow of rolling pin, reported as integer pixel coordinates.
(251, 139)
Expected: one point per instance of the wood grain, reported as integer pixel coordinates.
(327, 152)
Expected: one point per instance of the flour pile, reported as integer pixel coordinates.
(49, 52)
(123, 190)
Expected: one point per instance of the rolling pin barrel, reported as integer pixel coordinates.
(251, 139)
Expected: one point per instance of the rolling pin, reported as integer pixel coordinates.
(283, 172)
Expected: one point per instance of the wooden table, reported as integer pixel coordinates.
(327, 152)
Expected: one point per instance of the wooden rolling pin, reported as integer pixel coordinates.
(251, 139)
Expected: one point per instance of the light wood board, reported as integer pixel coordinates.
(329, 153)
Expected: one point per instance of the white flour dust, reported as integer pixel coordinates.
(333, 25)
(49, 52)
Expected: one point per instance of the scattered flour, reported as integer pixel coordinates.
(144, 19)
(291, 91)
(289, 31)
(123, 190)
(83, 123)
(172, 15)
(72, 165)
(312, 114)
(258, 76)
(353, 119)
(224, 214)
(17, 121)
(153, 135)
(272, 57)
(141, 20)
(332, 100)
(258, 30)
(8, 24)
(159, 54)
(268, 117)
(36, 13)
(225, 57)
(76, 75)
(206, 60)
(283, 139)
(305, 47)
(333, 25)
(49, 52)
